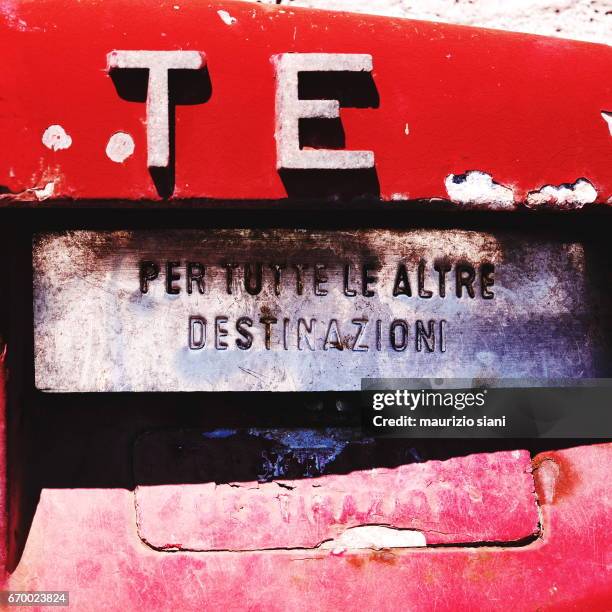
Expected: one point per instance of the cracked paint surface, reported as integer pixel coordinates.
(478, 190)
(607, 117)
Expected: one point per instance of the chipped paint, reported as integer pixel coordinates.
(120, 146)
(226, 18)
(45, 192)
(478, 189)
(607, 117)
(547, 472)
(56, 138)
(567, 196)
(375, 537)
(311, 448)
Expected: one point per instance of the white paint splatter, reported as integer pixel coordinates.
(56, 138)
(120, 146)
(407, 129)
(607, 117)
(226, 18)
(375, 537)
(478, 189)
(45, 192)
(567, 196)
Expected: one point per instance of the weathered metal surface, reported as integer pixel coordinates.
(113, 311)
(476, 117)
(106, 566)
(421, 500)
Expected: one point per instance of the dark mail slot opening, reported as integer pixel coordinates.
(272, 488)
(163, 445)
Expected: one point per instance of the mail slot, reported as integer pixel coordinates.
(239, 237)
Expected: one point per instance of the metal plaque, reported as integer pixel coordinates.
(285, 310)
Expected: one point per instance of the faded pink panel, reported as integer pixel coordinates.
(479, 498)
(85, 540)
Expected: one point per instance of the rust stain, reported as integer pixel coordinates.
(266, 311)
(356, 560)
(383, 556)
(565, 482)
(480, 567)
(348, 341)
(299, 581)
(430, 577)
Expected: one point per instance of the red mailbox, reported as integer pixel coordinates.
(221, 220)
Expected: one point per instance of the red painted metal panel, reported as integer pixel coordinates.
(520, 111)
(107, 567)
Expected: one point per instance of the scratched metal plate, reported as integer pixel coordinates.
(95, 329)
